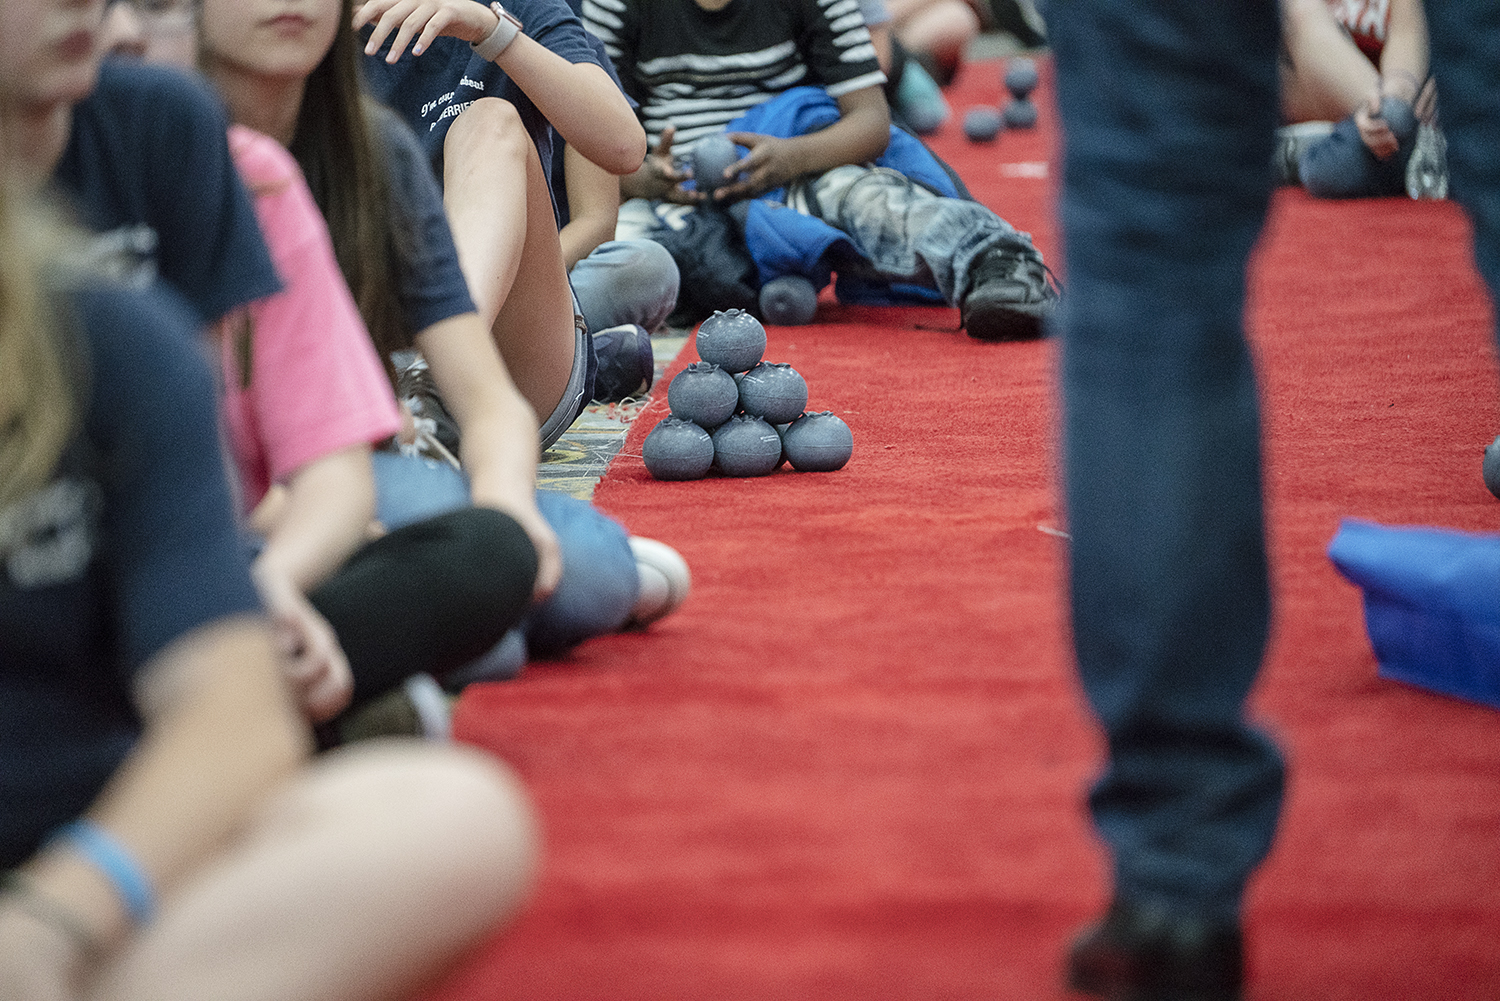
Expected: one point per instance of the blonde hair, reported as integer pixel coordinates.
(38, 408)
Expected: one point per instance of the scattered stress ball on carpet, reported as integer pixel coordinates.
(788, 301)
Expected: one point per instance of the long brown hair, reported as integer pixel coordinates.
(336, 145)
(38, 399)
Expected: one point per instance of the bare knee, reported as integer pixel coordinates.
(489, 128)
(469, 815)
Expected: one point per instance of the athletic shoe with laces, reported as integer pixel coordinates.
(665, 581)
(627, 365)
(419, 708)
(415, 388)
(1011, 295)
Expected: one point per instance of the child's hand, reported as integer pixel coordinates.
(771, 163)
(658, 177)
(1373, 130)
(424, 19)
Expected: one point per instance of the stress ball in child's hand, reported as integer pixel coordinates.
(731, 339)
(712, 155)
(746, 446)
(1400, 118)
(788, 301)
(678, 450)
(1021, 77)
(773, 391)
(982, 124)
(819, 443)
(703, 393)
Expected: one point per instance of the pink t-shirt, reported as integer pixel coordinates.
(315, 383)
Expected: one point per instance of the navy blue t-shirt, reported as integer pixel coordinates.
(430, 90)
(430, 284)
(148, 167)
(131, 545)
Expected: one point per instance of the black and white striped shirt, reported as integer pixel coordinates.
(698, 69)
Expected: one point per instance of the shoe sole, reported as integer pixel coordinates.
(1009, 324)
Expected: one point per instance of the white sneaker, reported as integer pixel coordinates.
(433, 708)
(665, 581)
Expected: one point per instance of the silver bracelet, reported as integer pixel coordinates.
(497, 41)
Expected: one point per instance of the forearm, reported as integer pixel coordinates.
(1404, 59)
(580, 237)
(323, 519)
(500, 449)
(859, 136)
(220, 735)
(581, 102)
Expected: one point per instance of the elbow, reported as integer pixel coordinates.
(627, 155)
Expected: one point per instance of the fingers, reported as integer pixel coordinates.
(664, 148)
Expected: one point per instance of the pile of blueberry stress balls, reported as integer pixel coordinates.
(741, 415)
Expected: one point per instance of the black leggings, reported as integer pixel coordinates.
(429, 597)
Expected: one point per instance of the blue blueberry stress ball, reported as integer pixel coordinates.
(774, 391)
(819, 443)
(788, 301)
(731, 339)
(1020, 114)
(982, 124)
(712, 155)
(1492, 467)
(703, 393)
(1021, 76)
(678, 450)
(746, 446)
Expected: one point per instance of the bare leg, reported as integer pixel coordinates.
(508, 248)
(943, 28)
(361, 880)
(1328, 77)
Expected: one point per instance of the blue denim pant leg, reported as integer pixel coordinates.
(410, 489)
(908, 233)
(600, 582)
(1465, 39)
(1168, 110)
(626, 281)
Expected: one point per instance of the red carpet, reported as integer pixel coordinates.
(852, 765)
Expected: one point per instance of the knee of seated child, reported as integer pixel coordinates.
(459, 819)
(600, 581)
(628, 281)
(489, 127)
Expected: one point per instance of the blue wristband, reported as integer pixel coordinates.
(116, 863)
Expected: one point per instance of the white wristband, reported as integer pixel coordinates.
(498, 40)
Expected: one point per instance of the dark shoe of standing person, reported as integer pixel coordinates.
(1139, 953)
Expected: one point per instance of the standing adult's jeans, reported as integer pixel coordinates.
(1168, 111)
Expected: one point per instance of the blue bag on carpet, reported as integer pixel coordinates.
(1432, 604)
